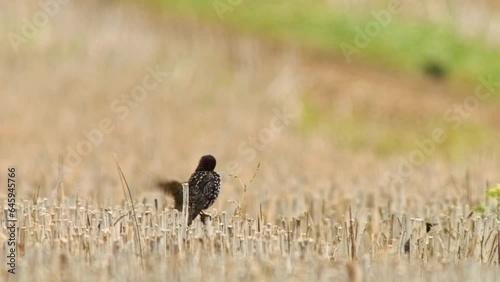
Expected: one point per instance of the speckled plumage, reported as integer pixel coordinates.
(204, 187)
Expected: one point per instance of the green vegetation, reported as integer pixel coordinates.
(388, 137)
(407, 44)
(492, 193)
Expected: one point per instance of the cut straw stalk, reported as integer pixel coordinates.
(185, 205)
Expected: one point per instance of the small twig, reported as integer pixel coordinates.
(245, 186)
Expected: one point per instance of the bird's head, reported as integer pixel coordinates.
(207, 163)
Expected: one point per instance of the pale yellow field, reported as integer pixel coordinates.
(326, 134)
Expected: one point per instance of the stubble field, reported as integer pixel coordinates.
(352, 160)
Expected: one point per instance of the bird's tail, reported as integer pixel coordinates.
(174, 189)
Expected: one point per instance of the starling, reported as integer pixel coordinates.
(204, 187)
(428, 227)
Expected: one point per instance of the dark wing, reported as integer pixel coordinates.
(196, 206)
(174, 189)
(203, 190)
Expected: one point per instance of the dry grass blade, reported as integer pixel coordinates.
(123, 181)
(498, 247)
(352, 238)
(35, 197)
(119, 218)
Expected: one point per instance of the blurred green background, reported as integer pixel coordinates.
(452, 38)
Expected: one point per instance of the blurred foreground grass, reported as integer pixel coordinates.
(69, 239)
